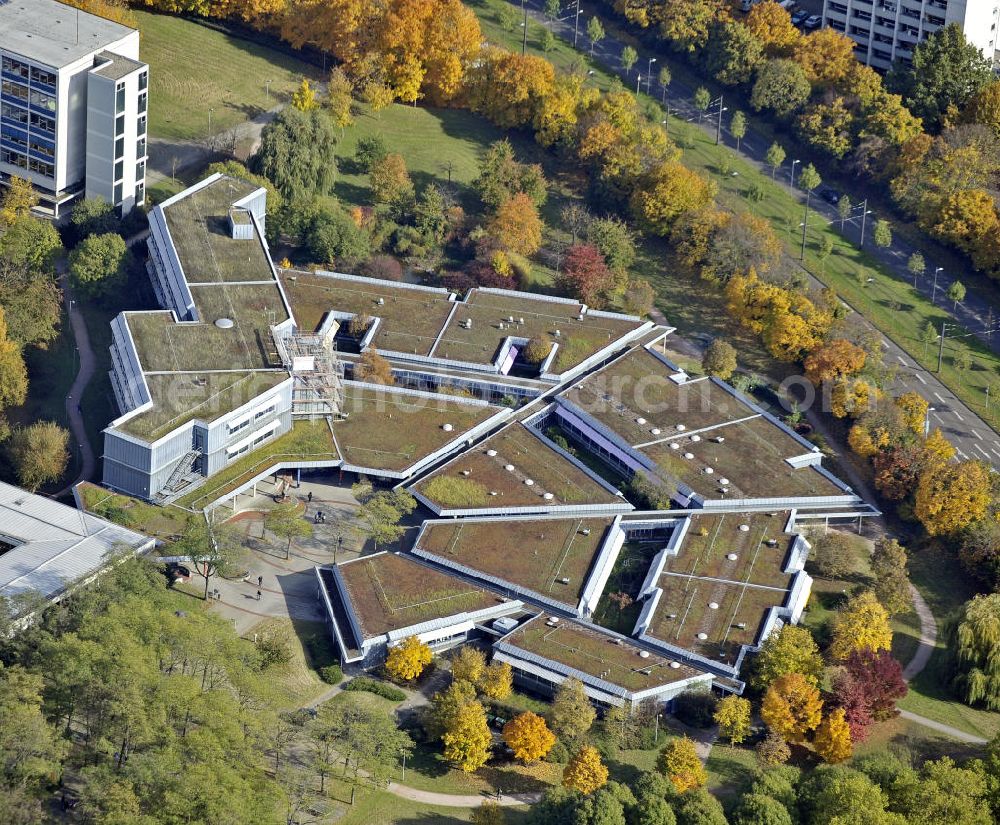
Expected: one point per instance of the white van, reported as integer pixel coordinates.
(788, 5)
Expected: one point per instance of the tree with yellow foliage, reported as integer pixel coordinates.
(13, 373)
(670, 190)
(833, 738)
(509, 88)
(952, 496)
(467, 664)
(792, 707)
(496, 681)
(852, 397)
(772, 26)
(451, 45)
(861, 624)
(407, 660)
(834, 360)
(556, 117)
(913, 408)
(339, 98)
(680, 763)
(585, 772)
(937, 449)
(826, 56)
(18, 201)
(687, 23)
(732, 715)
(304, 98)
(467, 739)
(528, 736)
(788, 336)
(517, 226)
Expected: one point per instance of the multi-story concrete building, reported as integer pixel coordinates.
(73, 104)
(888, 30)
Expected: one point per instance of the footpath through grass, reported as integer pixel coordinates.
(194, 69)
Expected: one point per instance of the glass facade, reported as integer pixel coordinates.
(27, 116)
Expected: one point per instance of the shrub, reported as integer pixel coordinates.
(835, 554)
(273, 651)
(559, 754)
(331, 674)
(358, 325)
(455, 492)
(696, 708)
(537, 350)
(648, 494)
(384, 267)
(369, 685)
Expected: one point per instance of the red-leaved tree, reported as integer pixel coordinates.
(851, 695)
(584, 275)
(882, 677)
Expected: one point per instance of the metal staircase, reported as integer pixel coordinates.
(181, 469)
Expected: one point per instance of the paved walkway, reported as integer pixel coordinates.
(448, 800)
(948, 730)
(74, 409)
(928, 637)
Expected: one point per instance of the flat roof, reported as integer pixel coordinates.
(536, 553)
(53, 545)
(53, 33)
(488, 482)
(118, 67)
(596, 654)
(742, 589)
(390, 429)
(389, 591)
(429, 322)
(699, 432)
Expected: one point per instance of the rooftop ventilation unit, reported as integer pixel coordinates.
(709, 471)
(643, 654)
(703, 636)
(655, 431)
(548, 496)
(696, 438)
(674, 445)
(585, 531)
(681, 428)
(723, 481)
(557, 333)
(713, 605)
(509, 468)
(675, 665)
(744, 528)
(640, 421)
(732, 556)
(224, 323)
(772, 542)
(491, 453)
(466, 472)
(380, 302)
(529, 482)
(719, 439)
(447, 427)
(564, 580)
(688, 456)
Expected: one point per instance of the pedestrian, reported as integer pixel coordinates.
(310, 496)
(260, 581)
(258, 595)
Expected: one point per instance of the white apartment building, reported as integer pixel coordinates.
(73, 104)
(888, 30)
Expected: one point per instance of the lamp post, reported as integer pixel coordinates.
(649, 72)
(638, 80)
(210, 110)
(267, 91)
(791, 175)
(944, 331)
(403, 753)
(576, 24)
(934, 288)
(865, 212)
(718, 124)
(927, 416)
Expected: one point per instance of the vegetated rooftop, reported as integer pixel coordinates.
(184, 396)
(411, 318)
(392, 430)
(597, 654)
(531, 459)
(536, 554)
(389, 592)
(580, 335)
(698, 432)
(199, 228)
(743, 589)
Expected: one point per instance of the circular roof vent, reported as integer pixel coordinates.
(509, 468)
(744, 528)
(491, 453)
(224, 323)
(713, 605)
(702, 636)
(447, 428)
(529, 483)
(688, 456)
(675, 665)
(732, 556)
(643, 654)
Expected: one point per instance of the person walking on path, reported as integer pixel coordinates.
(258, 595)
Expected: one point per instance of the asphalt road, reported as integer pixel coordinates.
(972, 437)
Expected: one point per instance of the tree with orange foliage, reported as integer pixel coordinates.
(528, 736)
(792, 707)
(670, 190)
(952, 496)
(826, 56)
(509, 88)
(772, 26)
(451, 45)
(341, 27)
(834, 360)
(517, 226)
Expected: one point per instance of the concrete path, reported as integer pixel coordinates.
(448, 800)
(928, 637)
(74, 409)
(948, 730)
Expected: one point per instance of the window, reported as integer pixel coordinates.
(18, 91)
(141, 125)
(119, 148)
(12, 157)
(15, 114)
(40, 123)
(862, 15)
(43, 101)
(140, 148)
(119, 169)
(140, 170)
(42, 168)
(838, 7)
(934, 20)
(118, 194)
(835, 24)
(43, 77)
(119, 125)
(885, 21)
(120, 98)
(11, 136)
(142, 102)
(140, 194)
(143, 81)
(15, 67)
(42, 149)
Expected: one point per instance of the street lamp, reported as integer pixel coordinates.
(649, 72)
(638, 80)
(934, 288)
(718, 125)
(791, 176)
(267, 91)
(210, 110)
(403, 753)
(927, 420)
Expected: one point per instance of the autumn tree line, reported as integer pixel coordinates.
(929, 130)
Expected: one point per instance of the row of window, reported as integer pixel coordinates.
(26, 72)
(19, 159)
(24, 118)
(18, 91)
(250, 445)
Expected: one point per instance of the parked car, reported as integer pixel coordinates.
(831, 196)
(813, 21)
(799, 17)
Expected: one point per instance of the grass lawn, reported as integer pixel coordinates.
(729, 770)
(159, 522)
(296, 682)
(194, 69)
